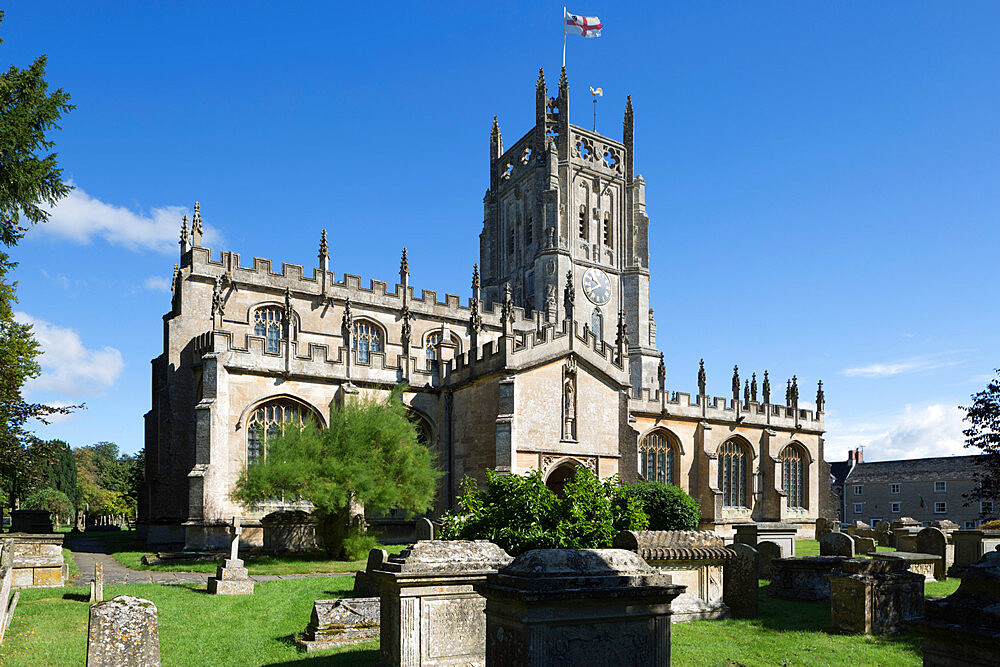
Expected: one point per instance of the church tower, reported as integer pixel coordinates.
(563, 205)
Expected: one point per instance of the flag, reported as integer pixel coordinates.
(587, 26)
(922, 502)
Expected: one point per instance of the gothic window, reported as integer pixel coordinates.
(268, 421)
(792, 479)
(583, 222)
(607, 230)
(269, 326)
(529, 232)
(597, 324)
(431, 342)
(733, 474)
(657, 456)
(367, 339)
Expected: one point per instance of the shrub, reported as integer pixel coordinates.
(520, 513)
(991, 525)
(51, 500)
(668, 506)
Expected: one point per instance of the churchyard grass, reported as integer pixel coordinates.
(811, 548)
(50, 625)
(128, 551)
(68, 557)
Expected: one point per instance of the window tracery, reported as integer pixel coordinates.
(733, 474)
(792, 479)
(657, 457)
(597, 324)
(269, 325)
(367, 339)
(268, 421)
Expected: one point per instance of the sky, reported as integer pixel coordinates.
(822, 180)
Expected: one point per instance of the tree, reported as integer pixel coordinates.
(984, 435)
(50, 500)
(669, 507)
(109, 482)
(369, 454)
(62, 475)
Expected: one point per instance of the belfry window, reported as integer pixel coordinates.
(268, 325)
(607, 230)
(267, 422)
(597, 324)
(792, 480)
(657, 457)
(583, 222)
(733, 474)
(529, 232)
(367, 339)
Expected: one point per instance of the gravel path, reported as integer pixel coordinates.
(88, 550)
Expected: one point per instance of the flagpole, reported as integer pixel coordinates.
(564, 36)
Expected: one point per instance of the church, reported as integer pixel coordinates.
(550, 363)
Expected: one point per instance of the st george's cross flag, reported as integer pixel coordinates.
(587, 26)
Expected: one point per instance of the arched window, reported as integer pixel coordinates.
(657, 457)
(268, 420)
(268, 324)
(583, 222)
(607, 230)
(597, 324)
(431, 342)
(733, 474)
(792, 479)
(367, 339)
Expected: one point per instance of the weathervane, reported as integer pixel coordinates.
(596, 92)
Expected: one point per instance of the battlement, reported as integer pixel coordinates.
(717, 408)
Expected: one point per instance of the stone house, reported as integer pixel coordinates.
(928, 490)
(550, 364)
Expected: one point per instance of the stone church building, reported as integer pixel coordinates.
(550, 363)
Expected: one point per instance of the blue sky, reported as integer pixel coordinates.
(822, 179)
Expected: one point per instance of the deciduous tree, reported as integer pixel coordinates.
(984, 434)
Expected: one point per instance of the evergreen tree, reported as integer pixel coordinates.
(62, 475)
(984, 434)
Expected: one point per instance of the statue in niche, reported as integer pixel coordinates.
(569, 410)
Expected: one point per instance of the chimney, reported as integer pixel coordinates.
(855, 455)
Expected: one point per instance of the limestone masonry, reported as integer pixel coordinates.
(550, 364)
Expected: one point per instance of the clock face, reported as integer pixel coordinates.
(597, 286)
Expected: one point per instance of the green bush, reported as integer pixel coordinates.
(51, 500)
(519, 513)
(668, 506)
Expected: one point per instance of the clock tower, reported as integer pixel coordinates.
(563, 204)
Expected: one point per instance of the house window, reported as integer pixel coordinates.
(858, 489)
(970, 525)
(792, 480)
(894, 489)
(367, 339)
(940, 508)
(857, 508)
(597, 324)
(733, 474)
(268, 325)
(986, 507)
(267, 422)
(894, 508)
(940, 487)
(656, 458)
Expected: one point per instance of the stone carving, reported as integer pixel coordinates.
(123, 632)
(701, 378)
(874, 597)
(964, 628)
(548, 460)
(534, 614)
(767, 551)
(341, 622)
(753, 387)
(836, 544)
(803, 577)
(739, 581)
(231, 577)
(766, 389)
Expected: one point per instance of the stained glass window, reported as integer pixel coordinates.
(367, 339)
(791, 476)
(657, 458)
(733, 474)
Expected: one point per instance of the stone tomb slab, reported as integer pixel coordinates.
(804, 578)
(874, 597)
(342, 622)
(927, 565)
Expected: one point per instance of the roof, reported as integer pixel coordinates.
(929, 469)
(839, 470)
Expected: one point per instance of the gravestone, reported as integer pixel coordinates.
(578, 607)
(946, 525)
(883, 534)
(231, 577)
(341, 622)
(804, 577)
(904, 533)
(971, 545)
(782, 534)
(864, 545)
(964, 628)
(739, 581)
(767, 551)
(824, 526)
(31, 521)
(926, 565)
(123, 633)
(289, 531)
(425, 529)
(932, 540)
(836, 544)
(97, 583)
(874, 597)
(364, 583)
(6, 612)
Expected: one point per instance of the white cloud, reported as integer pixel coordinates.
(157, 284)
(932, 430)
(68, 368)
(910, 365)
(82, 218)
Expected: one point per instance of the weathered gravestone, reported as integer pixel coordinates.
(30, 521)
(926, 565)
(836, 544)
(578, 607)
(971, 545)
(6, 610)
(804, 577)
(782, 534)
(342, 622)
(767, 551)
(231, 578)
(97, 583)
(864, 545)
(904, 533)
(964, 628)
(365, 585)
(824, 526)
(430, 613)
(123, 633)
(860, 529)
(932, 540)
(425, 529)
(289, 531)
(739, 581)
(874, 597)
(883, 533)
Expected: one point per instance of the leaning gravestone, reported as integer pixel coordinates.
(123, 632)
(932, 540)
(767, 551)
(836, 544)
(739, 581)
(864, 545)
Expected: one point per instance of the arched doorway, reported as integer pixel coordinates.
(561, 474)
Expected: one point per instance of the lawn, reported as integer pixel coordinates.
(50, 625)
(811, 548)
(128, 551)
